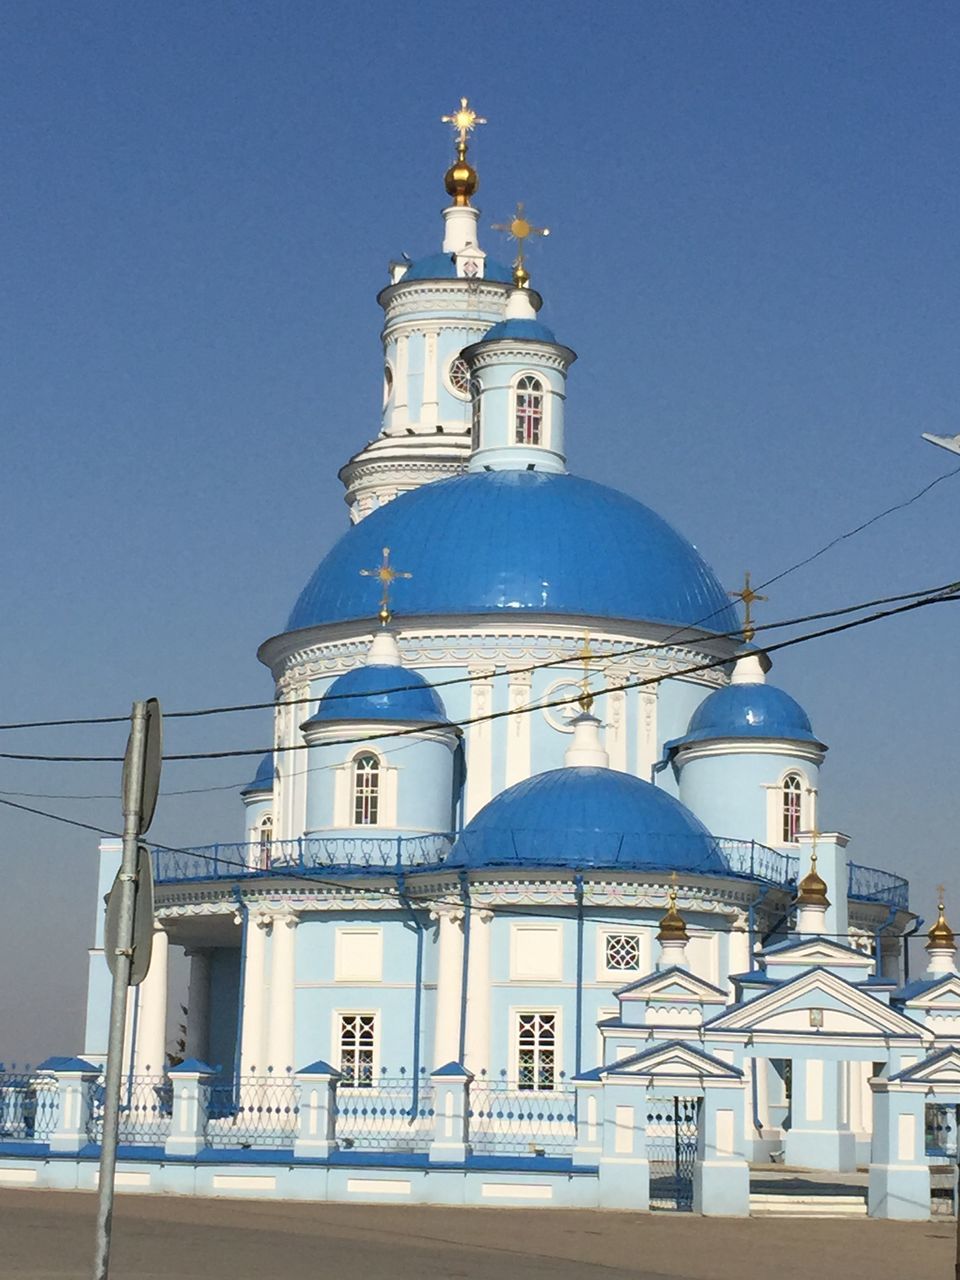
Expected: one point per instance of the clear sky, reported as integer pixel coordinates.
(754, 210)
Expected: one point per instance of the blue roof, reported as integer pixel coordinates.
(531, 330)
(749, 711)
(518, 541)
(380, 693)
(443, 266)
(263, 778)
(587, 817)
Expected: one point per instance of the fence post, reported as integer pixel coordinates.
(72, 1078)
(316, 1134)
(451, 1109)
(190, 1082)
(589, 1145)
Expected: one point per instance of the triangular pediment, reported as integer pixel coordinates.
(675, 1060)
(941, 1068)
(824, 952)
(672, 984)
(841, 1008)
(943, 993)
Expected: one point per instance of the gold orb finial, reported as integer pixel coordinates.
(386, 575)
(673, 927)
(461, 180)
(520, 229)
(941, 937)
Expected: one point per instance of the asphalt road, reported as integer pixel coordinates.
(48, 1235)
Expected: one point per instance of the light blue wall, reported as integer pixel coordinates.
(497, 439)
(728, 793)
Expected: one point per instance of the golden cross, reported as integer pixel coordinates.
(941, 893)
(747, 596)
(586, 655)
(386, 575)
(464, 122)
(520, 229)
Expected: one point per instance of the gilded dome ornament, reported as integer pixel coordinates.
(673, 927)
(747, 597)
(386, 575)
(461, 180)
(813, 888)
(941, 937)
(520, 229)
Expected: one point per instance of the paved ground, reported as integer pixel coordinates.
(47, 1235)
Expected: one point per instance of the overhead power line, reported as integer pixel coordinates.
(949, 593)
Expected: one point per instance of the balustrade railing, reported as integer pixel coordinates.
(870, 884)
(507, 1119)
(29, 1106)
(254, 1111)
(146, 1108)
(392, 1113)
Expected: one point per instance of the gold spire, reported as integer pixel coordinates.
(520, 229)
(940, 937)
(386, 575)
(461, 178)
(747, 596)
(673, 927)
(586, 656)
(812, 889)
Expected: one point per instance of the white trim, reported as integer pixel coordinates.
(546, 394)
(517, 974)
(623, 976)
(336, 1043)
(375, 971)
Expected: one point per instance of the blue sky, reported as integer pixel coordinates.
(754, 252)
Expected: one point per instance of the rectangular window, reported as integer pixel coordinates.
(358, 1042)
(536, 1050)
(622, 953)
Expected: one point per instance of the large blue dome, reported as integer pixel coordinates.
(587, 817)
(380, 692)
(519, 541)
(748, 711)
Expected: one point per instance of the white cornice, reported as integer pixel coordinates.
(750, 747)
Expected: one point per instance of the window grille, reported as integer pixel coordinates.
(791, 808)
(460, 377)
(622, 952)
(529, 410)
(358, 1035)
(475, 414)
(366, 791)
(536, 1050)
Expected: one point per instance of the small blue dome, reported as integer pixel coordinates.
(263, 778)
(587, 817)
(519, 542)
(443, 266)
(531, 330)
(381, 693)
(748, 711)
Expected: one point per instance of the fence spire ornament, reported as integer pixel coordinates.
(386, 575)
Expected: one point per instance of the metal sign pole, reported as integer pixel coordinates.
(133, 780)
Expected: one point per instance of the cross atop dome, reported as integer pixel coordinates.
(386, 576)
(520, 229)
(461, 178)
(747, 596)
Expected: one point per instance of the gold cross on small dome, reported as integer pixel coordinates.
(520, 229)
(386, 576)
(586, 656)
(464, 121)
(747, 596)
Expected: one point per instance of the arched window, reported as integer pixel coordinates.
(792, 789)
(387, 383)
(474, 414)
(366, 790)
(265, 840)
(529, 410)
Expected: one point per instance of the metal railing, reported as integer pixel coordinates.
(29, 1106)
(302, 856)
(392, 1113)
(755, 861)
(870, 884)
(254, 1111)
(146, 1109)
(507, 1119)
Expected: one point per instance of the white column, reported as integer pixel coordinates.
(518, 729)
(479, 745)
(647, 749)
(738, 946)
(251, 1034)
(430, 406)
(446, 1038)
(198, 1006)
(615, 738)
(280, 1041)
(478, 994)
(401, 394)
(151, 1054)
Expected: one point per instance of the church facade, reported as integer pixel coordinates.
(534, 901)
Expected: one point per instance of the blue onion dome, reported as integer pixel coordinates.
(749, 711)
(530, 330)
(587, 817)
(443, 266)
(519, 542)
(263, 778)
(380, 692)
